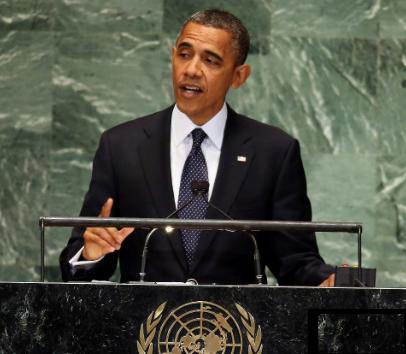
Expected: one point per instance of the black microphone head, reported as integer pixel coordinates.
(200, 187)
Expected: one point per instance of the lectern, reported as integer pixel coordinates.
(135, 318)
(147, 318)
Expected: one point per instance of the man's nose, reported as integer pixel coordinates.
(193, 68)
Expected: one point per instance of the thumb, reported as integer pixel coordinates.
(106, 208)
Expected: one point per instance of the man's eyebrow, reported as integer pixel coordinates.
(184, 45)
(213, 54)
(207, 51)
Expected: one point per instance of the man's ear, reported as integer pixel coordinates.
(241, 74)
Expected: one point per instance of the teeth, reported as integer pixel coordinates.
(192, 88)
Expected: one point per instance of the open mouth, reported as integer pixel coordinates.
(191, 90)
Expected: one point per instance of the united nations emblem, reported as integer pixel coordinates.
(199, 327)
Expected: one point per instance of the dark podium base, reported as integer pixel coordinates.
(113, 318)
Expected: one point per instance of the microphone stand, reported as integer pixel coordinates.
(201, 188)
(149, 235)
(257, 257)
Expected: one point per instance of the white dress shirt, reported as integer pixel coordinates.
(181, 142)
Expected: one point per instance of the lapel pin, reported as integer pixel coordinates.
(241, 159)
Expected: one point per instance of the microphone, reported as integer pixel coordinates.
(202, 188)
(199, 188)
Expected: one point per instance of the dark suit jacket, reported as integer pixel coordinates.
(132, 165)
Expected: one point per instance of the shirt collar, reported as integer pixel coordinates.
(182, 126)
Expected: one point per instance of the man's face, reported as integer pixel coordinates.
(203, 69)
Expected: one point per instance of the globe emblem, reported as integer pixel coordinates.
(200, 328)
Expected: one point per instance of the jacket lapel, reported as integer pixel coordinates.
(236, 156)
(154, 154)
(155, 157)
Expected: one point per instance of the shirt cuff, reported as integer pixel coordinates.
(76, 264)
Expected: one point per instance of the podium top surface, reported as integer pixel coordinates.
(198, 286)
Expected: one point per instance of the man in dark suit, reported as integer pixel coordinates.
(254, 172)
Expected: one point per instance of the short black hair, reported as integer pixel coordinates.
(228, 22)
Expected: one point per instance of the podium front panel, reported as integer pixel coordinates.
(134, 318)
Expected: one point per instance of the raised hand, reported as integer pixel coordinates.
(99, 241)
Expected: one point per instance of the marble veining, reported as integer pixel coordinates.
(330, 73)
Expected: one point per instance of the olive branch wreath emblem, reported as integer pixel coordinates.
(254, 333)
(146, 336)
(144, 343)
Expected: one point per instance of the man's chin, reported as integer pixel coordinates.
(188, 109)
(198, 113)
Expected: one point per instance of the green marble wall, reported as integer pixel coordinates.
(332, 73)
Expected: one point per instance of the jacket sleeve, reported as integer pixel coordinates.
(102, 186)
(293, 257)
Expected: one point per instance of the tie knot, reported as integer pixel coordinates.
(198, 136)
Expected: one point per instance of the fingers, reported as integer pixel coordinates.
(329, 282)
(124, 232)
(105, 211)
(331, 279)
(99, 241)
(115, 237)
(109, 235)
(118, 236)
(95, 246)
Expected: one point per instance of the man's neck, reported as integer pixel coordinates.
(202, 120)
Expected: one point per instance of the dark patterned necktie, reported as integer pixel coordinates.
(195, 169)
